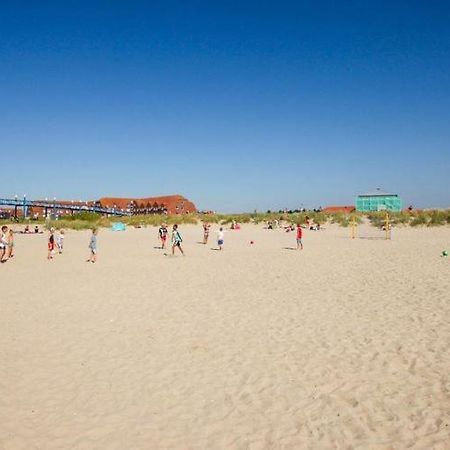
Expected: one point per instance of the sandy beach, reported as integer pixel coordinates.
(344, 345)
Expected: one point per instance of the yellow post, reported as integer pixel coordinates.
(353, 227)
(386, 227)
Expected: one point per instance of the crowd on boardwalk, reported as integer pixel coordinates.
(56, 238)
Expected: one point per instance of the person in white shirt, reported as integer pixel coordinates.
(4, 240)
(220, 238)
(60, 241)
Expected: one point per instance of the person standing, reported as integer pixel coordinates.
(4, 244)
(299, 237)
(93, 246)
(51, 244)
(11, 243)
(163, 231)
(220, 238)
(206, 227)
(60, 241)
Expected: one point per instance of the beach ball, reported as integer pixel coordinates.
(444, 253)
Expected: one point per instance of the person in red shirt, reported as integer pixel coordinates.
(299, 237)
(51, 244)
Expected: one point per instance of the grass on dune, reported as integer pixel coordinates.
(86, 220)
(429, 218)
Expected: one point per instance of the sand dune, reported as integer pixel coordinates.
(344, 345)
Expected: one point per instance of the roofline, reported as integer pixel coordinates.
(380, 194)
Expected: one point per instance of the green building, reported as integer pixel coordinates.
(378, 201)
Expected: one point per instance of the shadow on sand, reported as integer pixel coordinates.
(378, 238)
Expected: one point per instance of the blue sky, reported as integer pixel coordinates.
(236, 105)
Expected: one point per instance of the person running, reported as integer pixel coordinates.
(163, 231)
(93, 246)
(51, 244)
(176, 240)
(11, 243)
(206, 227)
(60, 241)
(4, 244)
(299, 237)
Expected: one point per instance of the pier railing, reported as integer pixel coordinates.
(54, 205)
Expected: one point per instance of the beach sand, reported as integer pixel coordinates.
(345, 345)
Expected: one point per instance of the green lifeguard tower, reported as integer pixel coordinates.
(378, 201)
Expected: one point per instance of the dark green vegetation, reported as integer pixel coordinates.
(87, 220)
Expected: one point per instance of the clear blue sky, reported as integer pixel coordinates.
(237, 105)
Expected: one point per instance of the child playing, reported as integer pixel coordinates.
(206, 227)
(163, 231)
(299, 237)
(51, 244)
(4, 244)
(11, 243)
(93, 246)
(60, 241)
(220, 238)
(176, 240)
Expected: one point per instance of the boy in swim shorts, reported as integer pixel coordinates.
(220, 238)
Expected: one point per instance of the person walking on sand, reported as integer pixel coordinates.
(11, 243)
(93, 246)
(176, 240)
(206, 227)
(60, 241)
(299, 237)
(51, 244)
(4, 244)
(220, 238)
(163, 231)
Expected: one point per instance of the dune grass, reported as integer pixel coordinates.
(87, 220)
(428, 218)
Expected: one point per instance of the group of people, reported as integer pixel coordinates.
(220, 233)
(27, 230)
(176, 238)
(56, 240)
(6, 244)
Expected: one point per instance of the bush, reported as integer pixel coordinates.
(70, 224)
(87, 220)
(419, 219)
(437, 218)
(400, 218)
(84, 216)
